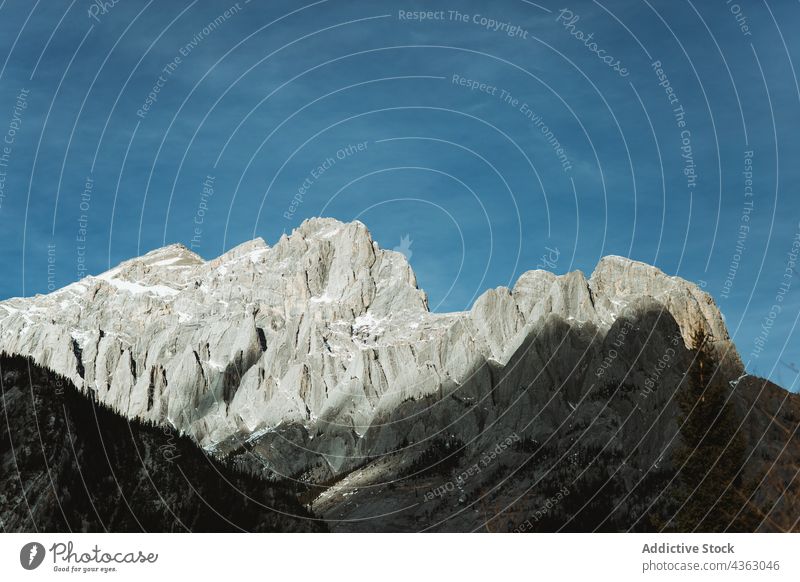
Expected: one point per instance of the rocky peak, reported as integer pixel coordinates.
(251, 249)
(173, 255)
(323, 327)
(617, 280)
(162, 271)
(340, 264)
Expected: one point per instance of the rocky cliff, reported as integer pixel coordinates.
(318, 360)
(323, 327)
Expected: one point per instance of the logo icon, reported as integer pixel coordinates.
(31, 555)
(404, 248)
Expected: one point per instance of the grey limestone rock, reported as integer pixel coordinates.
(329, 334)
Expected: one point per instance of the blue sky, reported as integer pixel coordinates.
(275, 96)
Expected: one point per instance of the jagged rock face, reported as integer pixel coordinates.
(328, 334)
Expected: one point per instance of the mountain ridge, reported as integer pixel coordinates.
(318, 360)
(322, 325)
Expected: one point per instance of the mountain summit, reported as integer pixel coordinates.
(317, 359)
(323, 325)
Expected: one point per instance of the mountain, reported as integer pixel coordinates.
(317, 360)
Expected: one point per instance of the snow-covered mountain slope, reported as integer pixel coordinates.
(324, 331)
